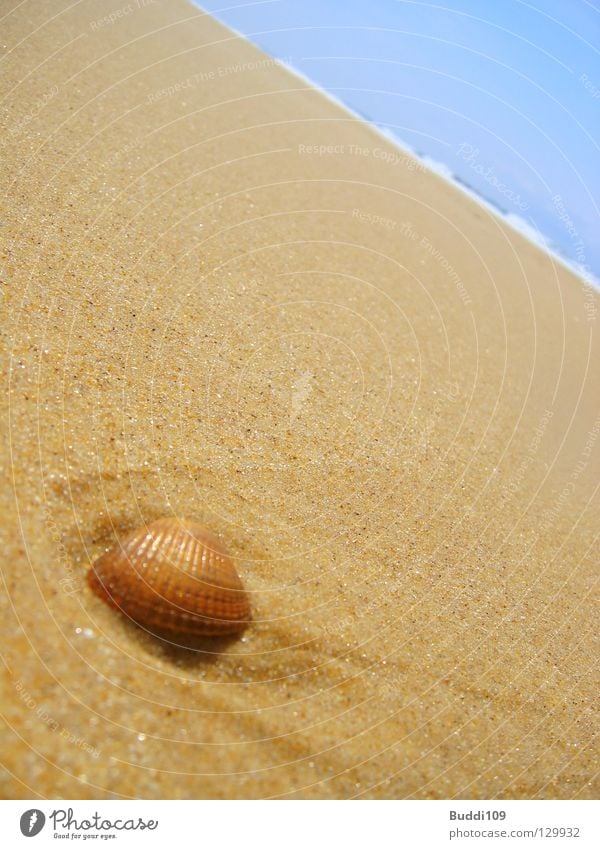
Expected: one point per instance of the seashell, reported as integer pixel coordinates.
(173, 576)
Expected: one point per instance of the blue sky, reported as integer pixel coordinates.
(505, 93)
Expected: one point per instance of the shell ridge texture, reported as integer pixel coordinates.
(174, 576)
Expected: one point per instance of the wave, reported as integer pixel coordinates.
(524, 227)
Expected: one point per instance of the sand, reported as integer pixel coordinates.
(226, 298)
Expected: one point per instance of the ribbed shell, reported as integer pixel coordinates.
(173, 576)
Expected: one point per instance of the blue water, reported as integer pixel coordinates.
(504, 97)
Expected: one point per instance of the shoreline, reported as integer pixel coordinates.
(380, 399)
(424, 161)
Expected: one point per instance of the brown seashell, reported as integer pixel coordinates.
(173, 576)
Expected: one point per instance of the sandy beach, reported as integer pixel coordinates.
(223, 297)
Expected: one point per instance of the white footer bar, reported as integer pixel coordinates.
(301, 824)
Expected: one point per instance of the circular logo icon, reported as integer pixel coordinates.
(32, 822)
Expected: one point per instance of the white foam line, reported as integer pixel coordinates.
(526, 229)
